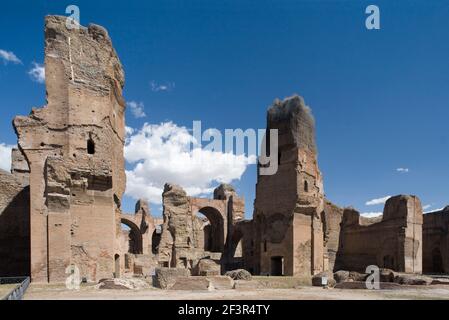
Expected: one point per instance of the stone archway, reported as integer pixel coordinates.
(117, 266)
(135, 237)
(235, 240)
(156, 239)
(214, 237)
(216, 212)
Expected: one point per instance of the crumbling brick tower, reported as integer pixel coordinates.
(288, 205)
(74, 148)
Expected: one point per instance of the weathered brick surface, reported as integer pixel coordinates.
(61, 203)
(392, 241)
(74, 146)
(288, 204)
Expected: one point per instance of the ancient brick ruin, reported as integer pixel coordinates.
(436, 241)
(74, 150)
(60, 206)
(288, 206)
(392, 241)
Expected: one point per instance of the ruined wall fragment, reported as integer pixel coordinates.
(392, 241)
(289, 203)
(241, 249)
(331, 217)
(74, 148)
(177, 232)
(187, 238)
(436, 241)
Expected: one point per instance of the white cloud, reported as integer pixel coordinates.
(137, 109)
(167, 86)
(8, 56)
(427, 206)
(37, 73)
(129, 131)
(403, 170)
(5, 156)
(377, 201)
(371, 214)
(434, 210)
(163, 153)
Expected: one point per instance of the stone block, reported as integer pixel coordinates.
(341, 276)
(413, 279)
(221, 283)
(165, 278)
(192, 283)
(239, 274)
(208, 267)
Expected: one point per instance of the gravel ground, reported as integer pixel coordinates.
(5, 289)
(59, 292)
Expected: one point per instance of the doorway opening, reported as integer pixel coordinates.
(117, 266)
(277, 266)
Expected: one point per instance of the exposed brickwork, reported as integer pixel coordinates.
(63, 195)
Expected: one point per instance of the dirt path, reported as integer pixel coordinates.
(42, 292)
(5, 289)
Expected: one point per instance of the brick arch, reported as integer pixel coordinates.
(240, 232)
(235, 238)
(135, 234)
(143, 222)
(216, 212)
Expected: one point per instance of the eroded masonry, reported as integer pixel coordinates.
(60, 206)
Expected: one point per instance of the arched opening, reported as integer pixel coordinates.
(238, 253)
(156, 239)
(90, 146)
(236, 249)
(437, 261)
(134, 236)
(277, 266)
(207, 236)
(117, 266)
(213, 229)
(306, 186)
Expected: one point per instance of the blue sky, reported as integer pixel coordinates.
(380, 97)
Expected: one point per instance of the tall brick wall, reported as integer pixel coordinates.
(288, 205)
(392, 241)
(74, 148)
(436, 242)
